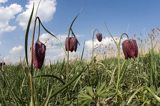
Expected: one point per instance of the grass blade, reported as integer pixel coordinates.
(52, 76)
(69, 83)
(83, 50)
(130, 99)
(153, 94)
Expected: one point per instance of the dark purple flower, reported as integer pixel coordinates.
(2, 64)
(67, 43)
(130, 48)
(71, 44)
(39, 50)
(99, 37)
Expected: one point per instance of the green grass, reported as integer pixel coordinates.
(85, 83)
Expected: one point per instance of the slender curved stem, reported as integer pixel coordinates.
(111, 35)
(71, 31)
(121, 37)
(37, 18)
(39, 29)
(94, 31)
(30, 73)
(118, 58)
(33, 35)
(70, 27)
(119, 64)
(37, 7)
(83, 50)
(74, 35)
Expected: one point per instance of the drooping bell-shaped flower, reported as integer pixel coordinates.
(130, 48)
(2, 64)
(67, 43)
(71, 44)
(39, 50)
(99, 36)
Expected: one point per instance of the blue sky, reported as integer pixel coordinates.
(133, 16)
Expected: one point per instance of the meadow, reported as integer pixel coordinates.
(112, 81)
(85, 83)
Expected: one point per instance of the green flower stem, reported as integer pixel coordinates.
(93, 42)
(119, 64)
(118, 58)
(69, 32)
(32, 103)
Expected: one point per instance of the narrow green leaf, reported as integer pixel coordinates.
(101, 89)
(153, 94)
(73, 21)
(83, 50)
(112, 76)
(74, 35)
(69, 83)
(90, 91)
(130, 99)
(46, 28)
(52, 76)
(26, 35)
(70, 27)
(47, 99)
(78, 79)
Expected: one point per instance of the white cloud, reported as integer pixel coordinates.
(107, 41)
(16, 49)
(51, 41)
(6, 14)
(3, 1)
(46, 11)
(106, 47)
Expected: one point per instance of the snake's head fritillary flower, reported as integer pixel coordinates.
(99, 37)
(130, 48)
(71, 44)
(39, 50)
